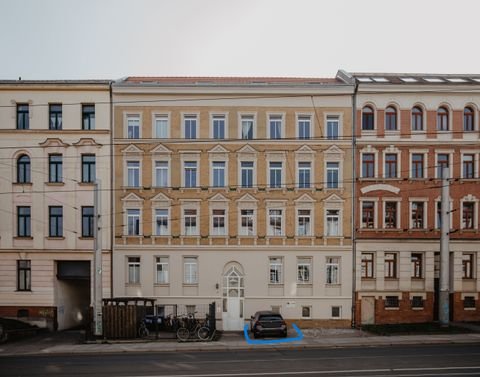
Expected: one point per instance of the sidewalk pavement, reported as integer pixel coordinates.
(72, 343)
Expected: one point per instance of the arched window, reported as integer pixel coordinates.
(23, 169)
(390, 118)
(468, 119)
(417, 119)
(367, 118)
(442, 119)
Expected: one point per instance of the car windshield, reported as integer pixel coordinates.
(270, 318)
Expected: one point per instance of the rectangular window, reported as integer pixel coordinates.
(468, 166)
(390, 215)
(336, 312)
(218, 126)
(333, 125)
(133, 270)
(24, 275)
(304, 123)
(55, 116)
(88, 168)
(391, 165)
(304, 227)
(190, 222)
(133, 127)
(88, 221)
(190, 126)
(417, 265)
(218, 222)
(306, 312)
(276, 270)
(190, 168)
(368, 215)
(333, 270)
(417, 215)
(333, 222)
(55, 214)
(246, 221)
(368, 165)
(246, 168)
(367, 265)
(23, 116)
(133, 173)
(275, 126)
(55, 171)
(133, 222)
(442, 162)
(391, 302)
(304, 174)
(275, 173)
(161, 127)
(333, 170)
(161, 222)
(468, 265)
(162, 270)
(88, 117)
(247, 122)
(218, 170)
(161, 173)
(391, 265)
(417, 165)
(304, 267)
(468, 215)
(24, 222)
(469, 302)
(417, 302)
(275, 222)
(190, 270)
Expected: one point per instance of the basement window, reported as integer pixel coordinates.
(336, 312)
(391, 302)
(469, 302)
(417, 302)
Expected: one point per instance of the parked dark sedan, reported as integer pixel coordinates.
(266, 323)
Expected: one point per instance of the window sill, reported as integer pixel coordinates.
(23, 238)
(86, 183)
(470, 309)
(368, 278)
(55, 183)
(369, 132)
(469, 279)
(392, 308)
(86, 238)
(190, 284)
(417, 279)
(23, 290)
(133, 285)
(417, 309)
(161, 284)
(305, 285)
(391, 278)
(22, 183)
(275, 285)
(336, 285)
(55, 238)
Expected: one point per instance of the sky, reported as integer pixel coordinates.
(110, 39)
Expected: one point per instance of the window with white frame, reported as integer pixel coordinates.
(304, 174)
(368, 165)
(468, 166)
(468, 215)
(247, 222)
(133, 173)
(275, 126)
(190, 126)
(391, 165)
(162, 127)
(133, 127)
(161, 174)
(391, 213)
(333, 172)
(443, 161)
(417, 215)
(275, 220)
(304, 125)
(218, 126)
(333, 127)
(133, 222)
(468, 266)
(304, 227)
(218, 173)
(306, 312)
(304, 268)
(246, 173)
(161, 222)
(133, 266)
(333, 270)
(367, 265)
(275, 174)
(418, 165)
(333, 222)
(218, 222)
(190, 270)
(190, 173)
(190, 222)
(417, 265)
(161, 267)
(247, 123)
(276, 270)
(368, 214)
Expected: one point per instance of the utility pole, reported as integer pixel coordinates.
(444, 302)
(97, 261)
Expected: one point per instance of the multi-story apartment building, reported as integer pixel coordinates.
(55, 141)
(237, 191)
(408, 127)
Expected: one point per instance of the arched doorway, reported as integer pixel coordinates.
(233, 298)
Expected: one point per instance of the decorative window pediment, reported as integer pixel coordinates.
(380, 187)
(305, 198)
(133, 200)
(132, 149)
(247, 150)
(87, 142)
(218, 149)
(160, 149)
(218, 198)
(53, 142)
(247, 198)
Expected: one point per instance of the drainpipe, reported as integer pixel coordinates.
(354, 203)
(112, 228)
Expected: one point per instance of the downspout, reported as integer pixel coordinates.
(354, 203)
(112, 228)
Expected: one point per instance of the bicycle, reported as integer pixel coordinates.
(142, 330)
(189, 327)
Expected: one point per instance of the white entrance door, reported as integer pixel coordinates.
(233, 289)
(368, 310)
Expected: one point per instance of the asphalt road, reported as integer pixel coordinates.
(431, 360)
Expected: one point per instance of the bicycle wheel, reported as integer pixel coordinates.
(143, 332)
(203, 333)
(183, 333)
